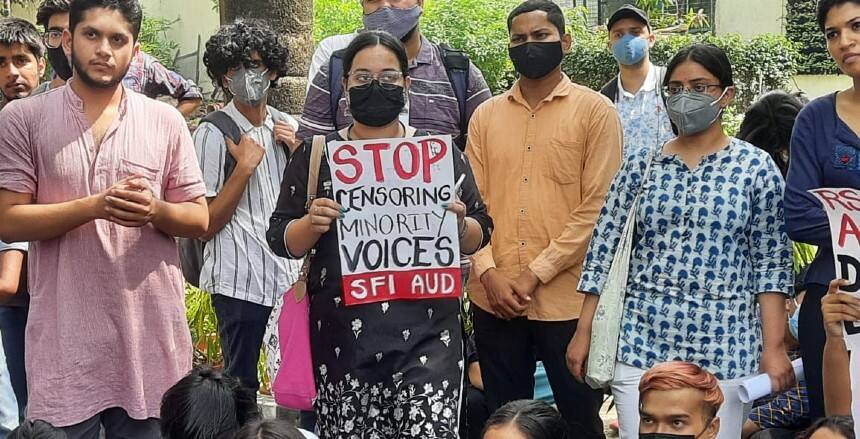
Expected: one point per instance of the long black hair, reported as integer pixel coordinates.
(269, 429)
(36, 430)
(535, 419)
(375, 38)
(841, 425)
(768, 124)
(207, 404)
(709, 56)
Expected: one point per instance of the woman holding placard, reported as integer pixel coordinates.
(710, 264)
(825, 153)
(393, 368)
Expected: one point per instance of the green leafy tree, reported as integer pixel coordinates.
(802, 28)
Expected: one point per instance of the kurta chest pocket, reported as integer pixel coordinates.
(846, 157)
(128, 168)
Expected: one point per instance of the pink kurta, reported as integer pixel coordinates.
(107, 323)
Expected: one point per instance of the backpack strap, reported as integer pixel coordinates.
(228, 128)
(457, 66)
(335, 83)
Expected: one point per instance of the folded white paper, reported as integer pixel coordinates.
(760, 386)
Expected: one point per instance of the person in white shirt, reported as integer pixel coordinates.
(324, 51)
(240, 271)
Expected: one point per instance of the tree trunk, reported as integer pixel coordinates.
(292, 20)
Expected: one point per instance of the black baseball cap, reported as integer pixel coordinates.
(628, 11)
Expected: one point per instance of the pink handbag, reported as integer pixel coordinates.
(294, 386)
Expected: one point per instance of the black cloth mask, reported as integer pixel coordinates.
(376, 106)
(60, 63)
(536, 60)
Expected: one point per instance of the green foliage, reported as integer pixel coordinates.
(763, 63)
(478, 27)
(154, 40)
(803, 255)
(334, 17)
(802, 28)
(204, 334)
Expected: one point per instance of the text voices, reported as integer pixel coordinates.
(440, 283)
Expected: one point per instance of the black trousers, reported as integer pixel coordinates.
(810, 328)
(241, 327)
(114, 423)
(509, 350)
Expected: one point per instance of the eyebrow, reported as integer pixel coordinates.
(831, 28)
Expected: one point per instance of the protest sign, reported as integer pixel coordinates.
(397, 242)
(843, 211)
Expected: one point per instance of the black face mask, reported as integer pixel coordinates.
(375, 106)
(536, 60)
(60, 63)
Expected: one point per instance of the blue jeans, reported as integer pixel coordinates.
(13, 324)
(8, 407)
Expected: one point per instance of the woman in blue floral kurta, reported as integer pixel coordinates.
(710, 259)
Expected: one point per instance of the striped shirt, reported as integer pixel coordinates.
(433, 105)
(237, 262)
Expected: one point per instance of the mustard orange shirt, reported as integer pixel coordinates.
(543, 173)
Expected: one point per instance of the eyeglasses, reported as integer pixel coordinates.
(389, 79)
(673, 89)
(53, 38)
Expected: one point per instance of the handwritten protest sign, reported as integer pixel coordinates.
(397, 242)
(843, 213)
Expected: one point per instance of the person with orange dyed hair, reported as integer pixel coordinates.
(679, 400)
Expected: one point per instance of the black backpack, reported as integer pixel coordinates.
(191, 250)
(456, 65)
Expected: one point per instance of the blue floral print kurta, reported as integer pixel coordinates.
(708, 241)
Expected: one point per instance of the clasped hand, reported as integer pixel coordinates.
(130, 203)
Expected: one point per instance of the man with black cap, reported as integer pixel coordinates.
(636, 90)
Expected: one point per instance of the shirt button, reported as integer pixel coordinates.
(533, 116)
(528, 147)
(522, 212)
(522, 243)
(525, 179)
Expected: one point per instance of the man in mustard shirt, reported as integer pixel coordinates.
(543, 154)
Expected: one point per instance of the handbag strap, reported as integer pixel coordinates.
(314, 168)
(317, 149)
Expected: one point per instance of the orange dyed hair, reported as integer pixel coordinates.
(676, 375)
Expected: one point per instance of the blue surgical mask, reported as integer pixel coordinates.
(793, 322)
(630, 50)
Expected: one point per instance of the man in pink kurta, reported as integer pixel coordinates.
(107, 327)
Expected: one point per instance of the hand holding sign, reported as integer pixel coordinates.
(323, 213)
(838, 307)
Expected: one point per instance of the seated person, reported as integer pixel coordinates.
(836, 308)
(207, 404)
(834, 427)
(783, 415)
(272, 429)
(678, 398)
(526, 419)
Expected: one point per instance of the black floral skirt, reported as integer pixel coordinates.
(387, 370)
